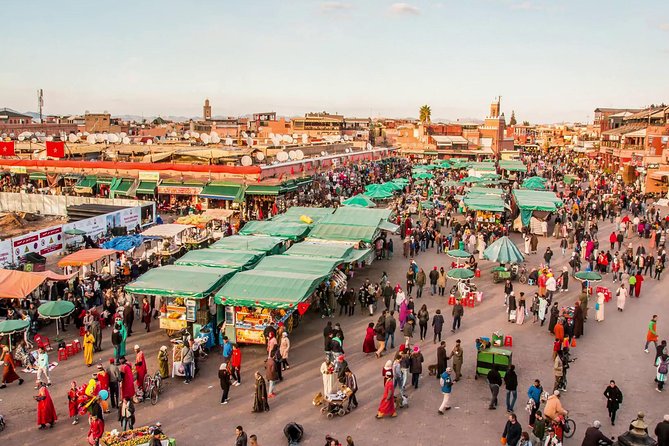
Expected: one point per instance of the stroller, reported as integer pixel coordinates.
(293, 433)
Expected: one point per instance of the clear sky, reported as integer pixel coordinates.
(551, 60)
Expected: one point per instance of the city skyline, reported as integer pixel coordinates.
(550, 61)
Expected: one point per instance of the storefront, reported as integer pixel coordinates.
(179, 196)
(223, 195)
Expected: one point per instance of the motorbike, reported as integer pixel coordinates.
(515, 272)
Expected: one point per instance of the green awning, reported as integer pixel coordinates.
(267, 289)
(223, 191)
(195, 282)
(292, 231)
(269, 245)
(354, 214)
(288, 186)
(316, 214)
(490, 203)
(304, 181)
(72, 176)
(430, 152)
(260, 189)
(121, 186)
(86, 185)
(361, 219)
(147, 187)
(311, 249)
(37, 176)
(385, 225)
(221, 258)
(344, 232)
(321, 266)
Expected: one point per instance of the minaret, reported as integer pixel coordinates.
(495, 107)
(206, 110)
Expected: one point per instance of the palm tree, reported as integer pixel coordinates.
(425, 114)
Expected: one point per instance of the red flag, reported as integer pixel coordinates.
(55, 149)
(7, 148)
(302, 307)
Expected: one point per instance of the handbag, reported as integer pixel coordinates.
(503, 440)
(597, 306)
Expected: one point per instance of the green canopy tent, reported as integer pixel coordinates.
(423, 176)
(529, 201)
(359, 201)
(195, 282)
(10, 326)
(460, 273)
(503, 250)
(471, 180)
(512, 165)
(55, 309)
(221, 258)
(268, 289)
(458, 254)
(344, 232)
(379, 194)
(489, 203)
(268, 245)
(534, 183)
(322, 266)
(355, 214)
(313, 249)
(316, 214)
(292, 231)
(393, 187)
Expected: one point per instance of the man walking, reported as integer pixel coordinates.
(614, 398)
(457, 355)
(114, 378)
(534, 394)
(651, 335)
(511, 384)
(434, 276)
(390, 325)
(446, 385)
(494, 381)
(458, 312)
(437, 325)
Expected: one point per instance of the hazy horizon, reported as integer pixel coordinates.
(552, 61)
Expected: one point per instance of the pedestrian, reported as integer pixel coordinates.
(434, 277)
(260, 403)
(114, 378)
(163, 362)
(416, 368)
(578, 320)
(446, 384)
(437, 325)
(558, 372)
(225, 381)
(96, 428)
(140, 366)
(494, 382)
(146, 314)
(127, 384)
(423, 318)
(511, 309)
(46, 412)
(599, 307)
(458, 312)
(89, 342)
(329, 378)
(512, 431)
(621, 297)
(441, 281)
(539, 429)
(391, 326)
(511, 384)
(368, 345)
(420, 283)
(236, 365)
(387, 404)
(9, 374)
(284, 349)
(614, 398)
(380, 332)
(457, 355)
(651, 335)
(408, 332)
(43, 374)
(442, 358)
(662, 431)
(240, 439)
(126, 414)
(662, 364)
(271, 374)
(187, 360)
(534, 394)
(352, 384)
(660, 350)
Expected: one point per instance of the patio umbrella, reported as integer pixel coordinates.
(423, 175)
(403, 181)
(503, 250)
(359, 201)
(392, 187)
(471, 180)
(56, 309)
(11, 326)
(458, 254)
(587, 277)
(460, 274)
(74, 231)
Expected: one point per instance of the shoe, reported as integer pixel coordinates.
(440, 412)
(75, 422)
(447, 408)
(4, 386)
(271, 395)
(224, 402)
(186, 382)
(658, 390)
(646, 350)
(238, 384)
(492, 408)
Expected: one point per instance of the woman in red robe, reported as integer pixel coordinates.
(146, 314)
(9, 369)
(140, 366)
(46, 412)
(637, 285)
(387, 405)
(127, 385)
(368, 343)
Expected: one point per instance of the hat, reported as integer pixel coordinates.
(284, 334)
(136, 347)
(416, 349)
(163, 348)
(556, 392)
(596, 424)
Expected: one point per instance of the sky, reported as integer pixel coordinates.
(550, 60)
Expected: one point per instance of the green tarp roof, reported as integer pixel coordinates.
(313, 213)
(535, 200)
(268, 289)
(146, 187)
(86, 184)
(195, 282)
(293, 231)
(355, 213)
(221, 258)
(359, 201)
(484, 191)
(321, 266)
(329, 250)
(512, 165)
(344, 232)
(491, 203)
(262, 189)
(482, 166)
(223, 191)
(534, 183)
(265, 244)
(362, 219)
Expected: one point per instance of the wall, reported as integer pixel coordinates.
(56, 204)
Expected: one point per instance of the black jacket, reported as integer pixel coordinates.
(512, 432)
(495, 378)
(511, 380)
(593, 436)
(662, 432)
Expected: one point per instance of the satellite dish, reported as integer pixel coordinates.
(299, 154)
(41, 138)
(79, 134)
(322, 153)
(90, 139)
(247, 160)
(253, 135)
(205, 138)
(290, 139)
(86, 133)
(249, 142)
(173, 134)
(33, 140)
(49, 138)
(260, 156)
(276, 140)
(228, 141)
(99, 137)
(347, 150)
(292, 155)
(369, 146)
(215, 139)
(149, 142)
(282, 156)
(21, 137)
(186, 135)
(195, 135)
(124, 134)
(125, 140)
(305, 138)
(112, 138)
(72, 137)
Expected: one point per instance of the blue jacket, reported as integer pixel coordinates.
(227, 349)
(446, 383)
(534, 392)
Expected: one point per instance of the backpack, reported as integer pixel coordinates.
(663, 368)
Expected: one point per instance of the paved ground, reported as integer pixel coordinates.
(612, 349)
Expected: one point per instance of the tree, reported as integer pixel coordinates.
(425, 114)
(526, 123)
(512, 121)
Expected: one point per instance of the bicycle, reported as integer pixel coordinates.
(568, 427)
(153, 386)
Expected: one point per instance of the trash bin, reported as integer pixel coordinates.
(34, 262)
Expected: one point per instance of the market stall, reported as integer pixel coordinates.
(89, 260)
(267, 244)
(18, 284)
(534, 203)
(290, 231)
(140, 436)
(222, 258)
(173, 237)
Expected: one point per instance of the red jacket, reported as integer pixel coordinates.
(236, 359)
(613, 237)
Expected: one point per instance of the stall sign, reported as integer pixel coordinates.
(51, 240)
(149, 176)
(179, 190)
(18, 169)
(173, 324)
(25, 244)
(191, 310)
(247, 336)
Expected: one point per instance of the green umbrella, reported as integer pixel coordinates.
(460, 273)
(392, 187)
(74, 231)
(588, 276)
(503, 250)
(534, 183)
(55, 310)
(400, 181)
(359, 201)
(11, 326)
(458, 254)
(423, 175)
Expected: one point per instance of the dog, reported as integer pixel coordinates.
(432, 369)
(318, 399)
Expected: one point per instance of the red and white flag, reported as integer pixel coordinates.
(55, 149)
(7, 148)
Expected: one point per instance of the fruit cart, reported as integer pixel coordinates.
(250, 322)
(135, 437)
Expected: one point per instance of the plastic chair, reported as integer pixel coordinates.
(451, 300)
(43, 342)
(76, 346)
(508, 341)
(69, 349)
(62, 354)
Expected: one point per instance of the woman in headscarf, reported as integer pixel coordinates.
(578, 320)
(260, 403)
(368, 345)
(46, 412)
(599, 307)
(163, 362)
(387, 405)
(140, 367)
(284, 349)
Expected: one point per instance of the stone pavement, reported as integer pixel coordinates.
(612, 349)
